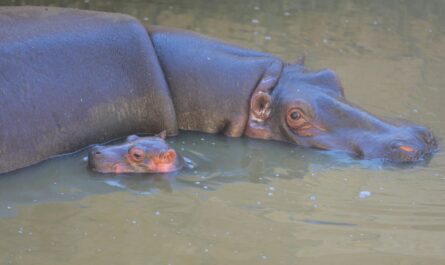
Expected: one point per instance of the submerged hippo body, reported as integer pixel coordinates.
(70, 78)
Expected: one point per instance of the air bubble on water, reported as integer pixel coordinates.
(9, 207)
(202, 139)
(205, 187)
(20, 231)
(85, 158)
(206, 250)
(145, 18)
(197, 182)
(312, 197)
(286, 14)
(415, 110)
(256, 8)
(258, 202)
(263, 257)
(270, 194)
(272, 188)
(255, 21)
(157, 213)
(325, 41)
(364, 194)
(267, 37)
(134, 222)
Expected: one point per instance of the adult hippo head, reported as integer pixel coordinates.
(309, 109)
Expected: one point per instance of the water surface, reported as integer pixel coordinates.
(257, 202)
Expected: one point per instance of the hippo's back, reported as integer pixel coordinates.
(69, 78)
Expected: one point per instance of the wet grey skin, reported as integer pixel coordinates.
(71, 78)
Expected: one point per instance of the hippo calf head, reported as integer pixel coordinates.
(309, 109)
(135, 155)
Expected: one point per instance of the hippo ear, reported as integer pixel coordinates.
(132, 138)
(260, 106)
(162, 134)
(168, 156)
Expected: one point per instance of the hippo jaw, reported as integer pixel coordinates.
(309, 109)
(135, 155)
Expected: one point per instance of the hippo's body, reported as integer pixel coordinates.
(70, 78)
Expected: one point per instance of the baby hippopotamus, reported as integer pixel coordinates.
(135, 155)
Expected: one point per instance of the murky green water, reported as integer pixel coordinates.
(256, 202)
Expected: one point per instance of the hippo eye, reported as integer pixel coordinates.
(295, 118)
(136, 154)
(295, 115)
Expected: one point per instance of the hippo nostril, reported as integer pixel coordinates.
(406, 148)
(97, 152)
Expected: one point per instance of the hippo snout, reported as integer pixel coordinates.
(407, 144)
(94, 155)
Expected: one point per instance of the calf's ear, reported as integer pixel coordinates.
(168, 156)
(162, 134)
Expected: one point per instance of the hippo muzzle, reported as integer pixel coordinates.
(309, 109)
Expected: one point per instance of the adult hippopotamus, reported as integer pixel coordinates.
(150, 154)
(70, 78)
